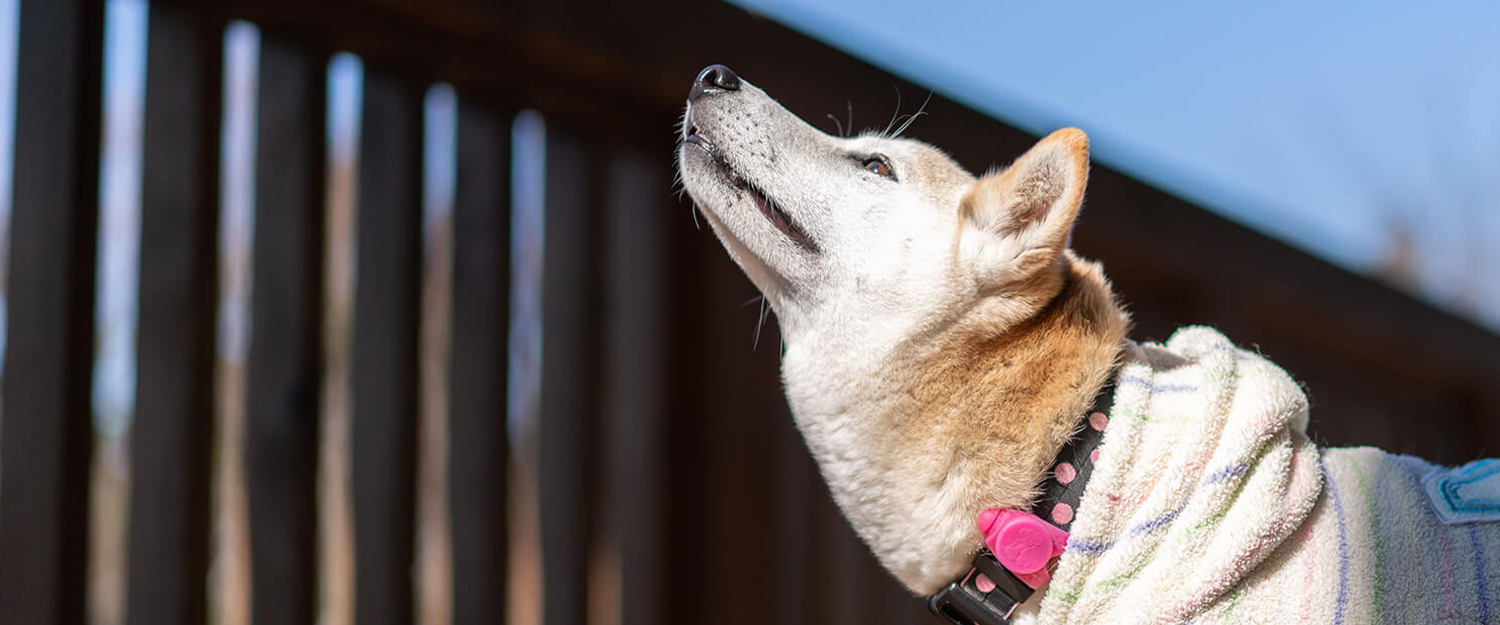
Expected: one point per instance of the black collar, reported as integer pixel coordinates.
(963, 602)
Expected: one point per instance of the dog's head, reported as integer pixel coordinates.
(874, 233)
(925, 365)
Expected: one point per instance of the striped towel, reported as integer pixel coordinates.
(1209, 505)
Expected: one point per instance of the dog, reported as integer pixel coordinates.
(944, 350)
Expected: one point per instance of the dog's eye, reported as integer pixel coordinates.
(877, 165)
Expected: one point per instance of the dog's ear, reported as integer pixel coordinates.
(1019, 220)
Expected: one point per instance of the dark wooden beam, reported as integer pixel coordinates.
(46, 442)
(479, 452)
(569, 395)
(285, 366)
(384, 373)
(635, 379)
(172, 434)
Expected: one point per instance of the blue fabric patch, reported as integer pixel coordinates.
(1465, 494)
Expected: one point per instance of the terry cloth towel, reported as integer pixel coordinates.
(1209, 504)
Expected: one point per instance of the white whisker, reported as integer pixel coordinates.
(894, 115)
(921, 110)
(758, 324)
(837, 124)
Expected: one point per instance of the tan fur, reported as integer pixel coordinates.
(1003, 405)
(1004, 400)
(968, 413)
(1041, 191)
(1031, 194)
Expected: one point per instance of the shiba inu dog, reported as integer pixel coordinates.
(942, 343)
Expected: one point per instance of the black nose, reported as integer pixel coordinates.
(714, 78)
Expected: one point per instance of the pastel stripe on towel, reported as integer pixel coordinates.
(1304, 485)
(1341, 603)
(1154, 387)
(1160, 521)
(1481, 577)
(1450, 609)
(1372, 509)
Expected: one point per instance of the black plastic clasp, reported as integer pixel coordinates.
(959, 606)
(962, 603)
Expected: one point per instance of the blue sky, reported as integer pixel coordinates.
(1330, 125)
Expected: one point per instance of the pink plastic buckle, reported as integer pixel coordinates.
(1022, 542)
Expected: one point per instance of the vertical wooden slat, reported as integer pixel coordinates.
(569, 381)
(284, 369)
(840, 556)
(742, 405)
(797, 496)
(724, 439)
(635, 384)
(172, 432)
(45, 447)
(698, 264)
(384, 375)
(478, 451)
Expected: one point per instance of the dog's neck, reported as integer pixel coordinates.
(968, 419)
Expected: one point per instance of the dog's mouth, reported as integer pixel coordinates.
(767, 207)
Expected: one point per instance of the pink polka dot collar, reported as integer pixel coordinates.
(1063, 488)
(1022, 547)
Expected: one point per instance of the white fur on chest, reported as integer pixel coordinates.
(900, 496)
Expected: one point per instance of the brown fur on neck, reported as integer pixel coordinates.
(1003, 405)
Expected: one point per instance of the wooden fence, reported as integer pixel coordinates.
(670, 484)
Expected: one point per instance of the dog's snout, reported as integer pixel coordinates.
(714, 78)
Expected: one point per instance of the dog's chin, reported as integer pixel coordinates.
(700, 154)
(716, 199)
(771, 282)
